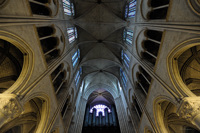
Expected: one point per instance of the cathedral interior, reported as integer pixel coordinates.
(99, 66)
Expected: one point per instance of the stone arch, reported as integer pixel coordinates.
(33, 118)
(107, 88)
(3, 3)
(44, 7)
(195, 6)
(183, 68)
(52, 41)
(166, 117)
(16, 60)
(142, 80)
(60, 79)
(159, 9)
(148, 42)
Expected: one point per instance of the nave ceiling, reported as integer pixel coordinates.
(100, 27)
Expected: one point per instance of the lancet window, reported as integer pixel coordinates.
(130, 9)
(125, 59)
(68, 8)
(128, 36)
(72, 34)
(78, 76)
(75, 57)
(123, 77)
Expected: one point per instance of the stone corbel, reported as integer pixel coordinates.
(190, 110)
(9, 108)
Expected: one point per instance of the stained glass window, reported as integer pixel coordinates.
(130, 9)
(123, 77)
(125, 59)
(100, 108)
(68, 8)
(75, 57)
(78, 76)
(128, 36)
(72, 34)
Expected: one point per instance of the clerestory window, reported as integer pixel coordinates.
(130, 9)
(78, 76)
(125, 59)
(128, 36)
(75, 57)
(68, 8)
(72, 34)
(123, 77)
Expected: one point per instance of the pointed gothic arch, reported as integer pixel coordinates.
(183, 68)
(167, 119)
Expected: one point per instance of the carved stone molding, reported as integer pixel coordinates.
(190, 109)
(10, 106)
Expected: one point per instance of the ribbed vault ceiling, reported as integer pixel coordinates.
(100, 26)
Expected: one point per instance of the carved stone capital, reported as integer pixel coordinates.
(189, 108)
(10, 106)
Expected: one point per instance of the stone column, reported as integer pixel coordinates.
(106, 116)
(114, 115)
(189, 109)
(122, 117)
(103, 121)
(90, 119)
(94, 117)
(87, 116)
(9, 108)
(100, 119)
(97, 121)
(77, 127)
(110, 119)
